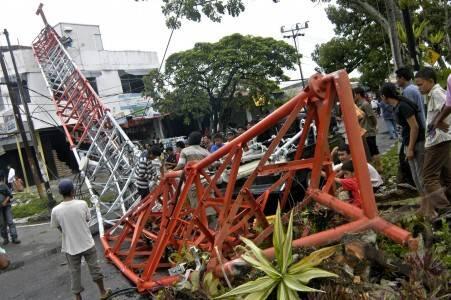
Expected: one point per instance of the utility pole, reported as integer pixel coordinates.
(20, 127)
(294, 33)
(39, 161)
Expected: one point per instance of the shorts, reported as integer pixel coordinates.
(372, 146)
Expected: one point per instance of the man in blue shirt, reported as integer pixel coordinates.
(404, 78)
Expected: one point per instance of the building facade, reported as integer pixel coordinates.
(116, 76)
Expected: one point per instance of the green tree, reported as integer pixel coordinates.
(360, 45)
(193, 10)
(216, 79)
(364, 34)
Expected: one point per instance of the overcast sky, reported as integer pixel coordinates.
(130, 25)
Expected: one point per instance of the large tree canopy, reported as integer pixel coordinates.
(193, 10)
(214, 78)
(360, 44)
(365, 36)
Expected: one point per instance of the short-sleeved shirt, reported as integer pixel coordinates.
(73, 217)
(403, 111)
(351, 184)
(215, 147)
(435, 101)
(192, 153)
(412, 93)
(5, 192)
(368, 122)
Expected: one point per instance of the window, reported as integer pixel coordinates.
(132, 83)
(15, 97)
(92, 81)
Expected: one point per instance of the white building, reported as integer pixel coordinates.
(116, 76)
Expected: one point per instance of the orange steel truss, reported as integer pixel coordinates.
(166, 220)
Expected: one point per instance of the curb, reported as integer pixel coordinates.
(18, 264)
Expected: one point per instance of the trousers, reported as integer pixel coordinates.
(437, 178)
(74, 263)
(416, 166)
(7, 221)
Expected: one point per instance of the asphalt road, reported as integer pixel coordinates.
(41, 272)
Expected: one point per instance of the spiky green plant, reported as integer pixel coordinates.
(288, 277)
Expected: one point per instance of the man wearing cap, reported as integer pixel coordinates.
(71, 217)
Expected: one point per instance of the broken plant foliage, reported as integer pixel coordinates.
(287, 276)
(385, 270)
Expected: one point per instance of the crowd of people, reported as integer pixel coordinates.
(422, 112)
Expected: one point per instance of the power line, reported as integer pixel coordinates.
(167, 46)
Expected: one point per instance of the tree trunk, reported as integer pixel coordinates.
(393, 34)
(389, 25)
(199, 125)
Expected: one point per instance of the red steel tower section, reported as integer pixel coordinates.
(169, 220)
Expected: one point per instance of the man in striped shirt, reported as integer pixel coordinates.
(437, 156)
(148, 171)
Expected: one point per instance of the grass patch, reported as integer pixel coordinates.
(390, 163)
(33, 206)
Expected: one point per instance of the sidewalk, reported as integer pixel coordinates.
(38, 269)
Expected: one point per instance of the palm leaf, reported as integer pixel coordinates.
(268, 269)
(293, 284)
(261, 284)
(278, 236)
(401, 33)
(282, 291)
(259, 258)
(418, 30)
(263, 294)
(287, 257)
(309, 274)
(314, 259)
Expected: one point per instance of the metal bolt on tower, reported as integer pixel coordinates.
(109, 163)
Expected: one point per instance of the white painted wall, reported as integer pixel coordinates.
(91, 59)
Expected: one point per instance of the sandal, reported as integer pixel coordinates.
(107, 295)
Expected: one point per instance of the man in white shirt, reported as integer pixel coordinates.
(437, 155)
(71, 217)
(344, 155)
(11, 176)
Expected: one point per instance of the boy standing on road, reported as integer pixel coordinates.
(6, 214)
(71, 217)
